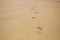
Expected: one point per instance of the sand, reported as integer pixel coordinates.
(29, 20)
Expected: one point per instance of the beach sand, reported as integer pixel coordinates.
(29, 20)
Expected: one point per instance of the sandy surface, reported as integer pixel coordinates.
(29, 20)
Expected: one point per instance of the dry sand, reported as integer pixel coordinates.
(29, 20)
